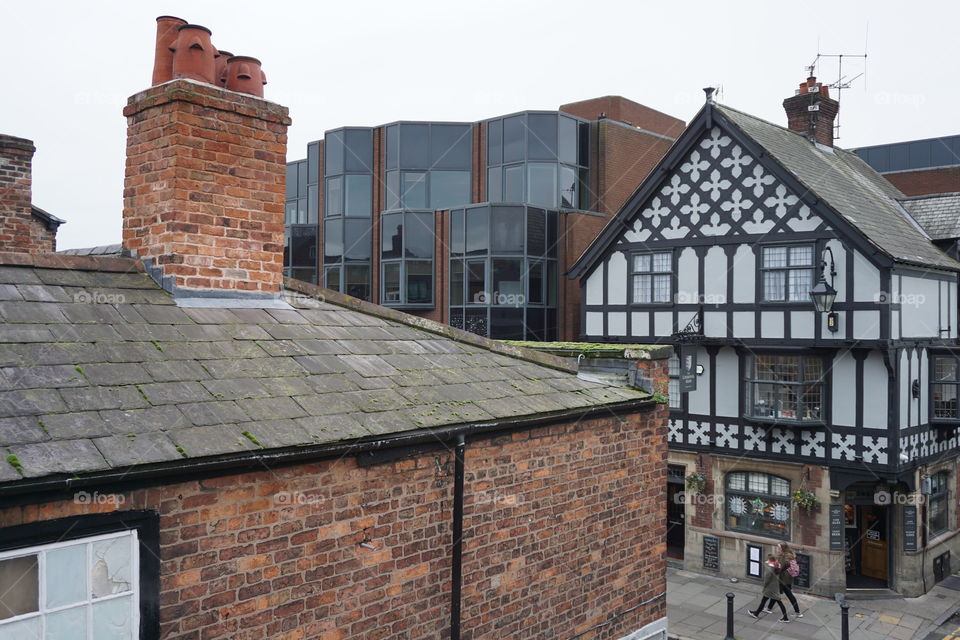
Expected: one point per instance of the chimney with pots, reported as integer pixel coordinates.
(811, 111)
(205, 177)
(23, 228)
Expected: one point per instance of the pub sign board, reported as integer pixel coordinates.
(836, 527)
(688, 367)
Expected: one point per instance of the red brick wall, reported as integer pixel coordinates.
(808, 524)
(20, 230)
(204, 190)
(703, 510)
(563, 527)
(623, 110)
(926, 181)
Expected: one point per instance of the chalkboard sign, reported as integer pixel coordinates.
(711, 553)
(910, 527)
(803, 580)
(836, 527)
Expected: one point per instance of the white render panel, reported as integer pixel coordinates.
(919, 307)
(744, 275)
(617, 279)
(801, 324)
(663, 323)
(924, 387)
(946, 302)
(840, 264)
(744, 325)
(771, 324)
(715, 277)
(895, 325)
(699, 399)
(595, 286)
(875, 396)
(617, 323)
(866, 325)
(914, 375)
(866, 279)
(728, 383)
(904, 387)
(844, 400)
(594, 323)
(953, 310)
(640, 323)
(715, 324)
(688, 289)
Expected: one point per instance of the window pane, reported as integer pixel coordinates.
(391, 282)
(419, 282)
(673, 393)
(358, 150)
(419, 237)
(779, 486)
(642, 288)
(357, 240)
(757, 483)
(494, 142)
(333, 153)
(391, 238)
(475, 321)
(449, 189)
(414, 146)
(313, 213)
(456, 282)
(451, 146)
(801, 256)
(301, 179)
(291, 180)
(513, 139)
(661, 288)
(641, 262)
(414, 191)
(19, 587)
(542, 136)
(63, 625)
(513, 183)
(476, 282)
(534, 324)
(507, 281)
(333, 197)
(303, 246)
(536, 231)
(313, 162)
(811, 402)
(552, 233)
(661, 262)
(393, 190)
(494, 184)
(945, 369)
(568, 187)
(478, 240)
(290, 213)
(774, 256)
(506, 229)
(456, 233)
(801, 281)
(551, 285)
(535, 279)
(112, 619)
(944, 400)
(111, 570)
(542, 184)
(359, 196)
(506, 323)
(357, 281)
(584, 143)
(567, 144)
(774, 286)
(393, 146)
(331, 277)
(332, 241)
(737, 481)
(456, 318)
(28, 629)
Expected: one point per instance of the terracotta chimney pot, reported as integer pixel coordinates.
(167, 27)
(194, 54)
(245, 75)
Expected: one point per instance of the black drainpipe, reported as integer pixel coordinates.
(456, 561)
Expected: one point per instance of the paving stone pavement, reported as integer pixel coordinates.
(697, 605)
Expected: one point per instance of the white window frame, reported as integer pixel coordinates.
(42, 610)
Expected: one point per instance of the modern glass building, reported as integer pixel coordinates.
(469, 223)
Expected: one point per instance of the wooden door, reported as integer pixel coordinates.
(873, 541)
(675, 520)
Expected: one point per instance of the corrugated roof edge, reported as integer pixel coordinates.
(459, 335)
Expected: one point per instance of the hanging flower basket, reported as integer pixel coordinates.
(805, 500)
(696, 482)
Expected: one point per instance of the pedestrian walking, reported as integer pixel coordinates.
(789, 569)
(771, 589)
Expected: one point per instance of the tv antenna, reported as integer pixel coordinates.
(842, 82)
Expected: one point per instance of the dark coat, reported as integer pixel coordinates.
(771, 583)
(785, 578)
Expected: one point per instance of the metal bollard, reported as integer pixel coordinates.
(729, 635)
(844, 621)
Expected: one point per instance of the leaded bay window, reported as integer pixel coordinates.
(939, 512)
(787, 273)
(944, 387)
(84, 589)
(758, 503)
(652, 277)
(785, 388)
(673, 388)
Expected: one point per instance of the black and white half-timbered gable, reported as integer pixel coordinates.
(717, 252)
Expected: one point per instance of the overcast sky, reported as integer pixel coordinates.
(69, 67)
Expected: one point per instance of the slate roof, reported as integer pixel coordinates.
(850, 186)
(100, 370)
(938, 214)
(113, 250)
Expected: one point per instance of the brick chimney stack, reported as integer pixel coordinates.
(20, 230)
(203, 196)
(812, 111)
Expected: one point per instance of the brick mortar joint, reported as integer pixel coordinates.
(208, 96)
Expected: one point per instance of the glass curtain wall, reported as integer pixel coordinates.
(348, 210)
(406, 258)
(503, 271)
(540, 158)
(428, 165)
(300, 217)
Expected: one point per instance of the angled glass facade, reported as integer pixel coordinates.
(301, 216)
(428, 165)
(407, 240)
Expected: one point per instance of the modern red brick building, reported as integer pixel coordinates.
(195, 448)
(918, 167)
(470, 224)
(24, 228)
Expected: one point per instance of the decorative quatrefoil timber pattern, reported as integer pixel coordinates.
(720, 189)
